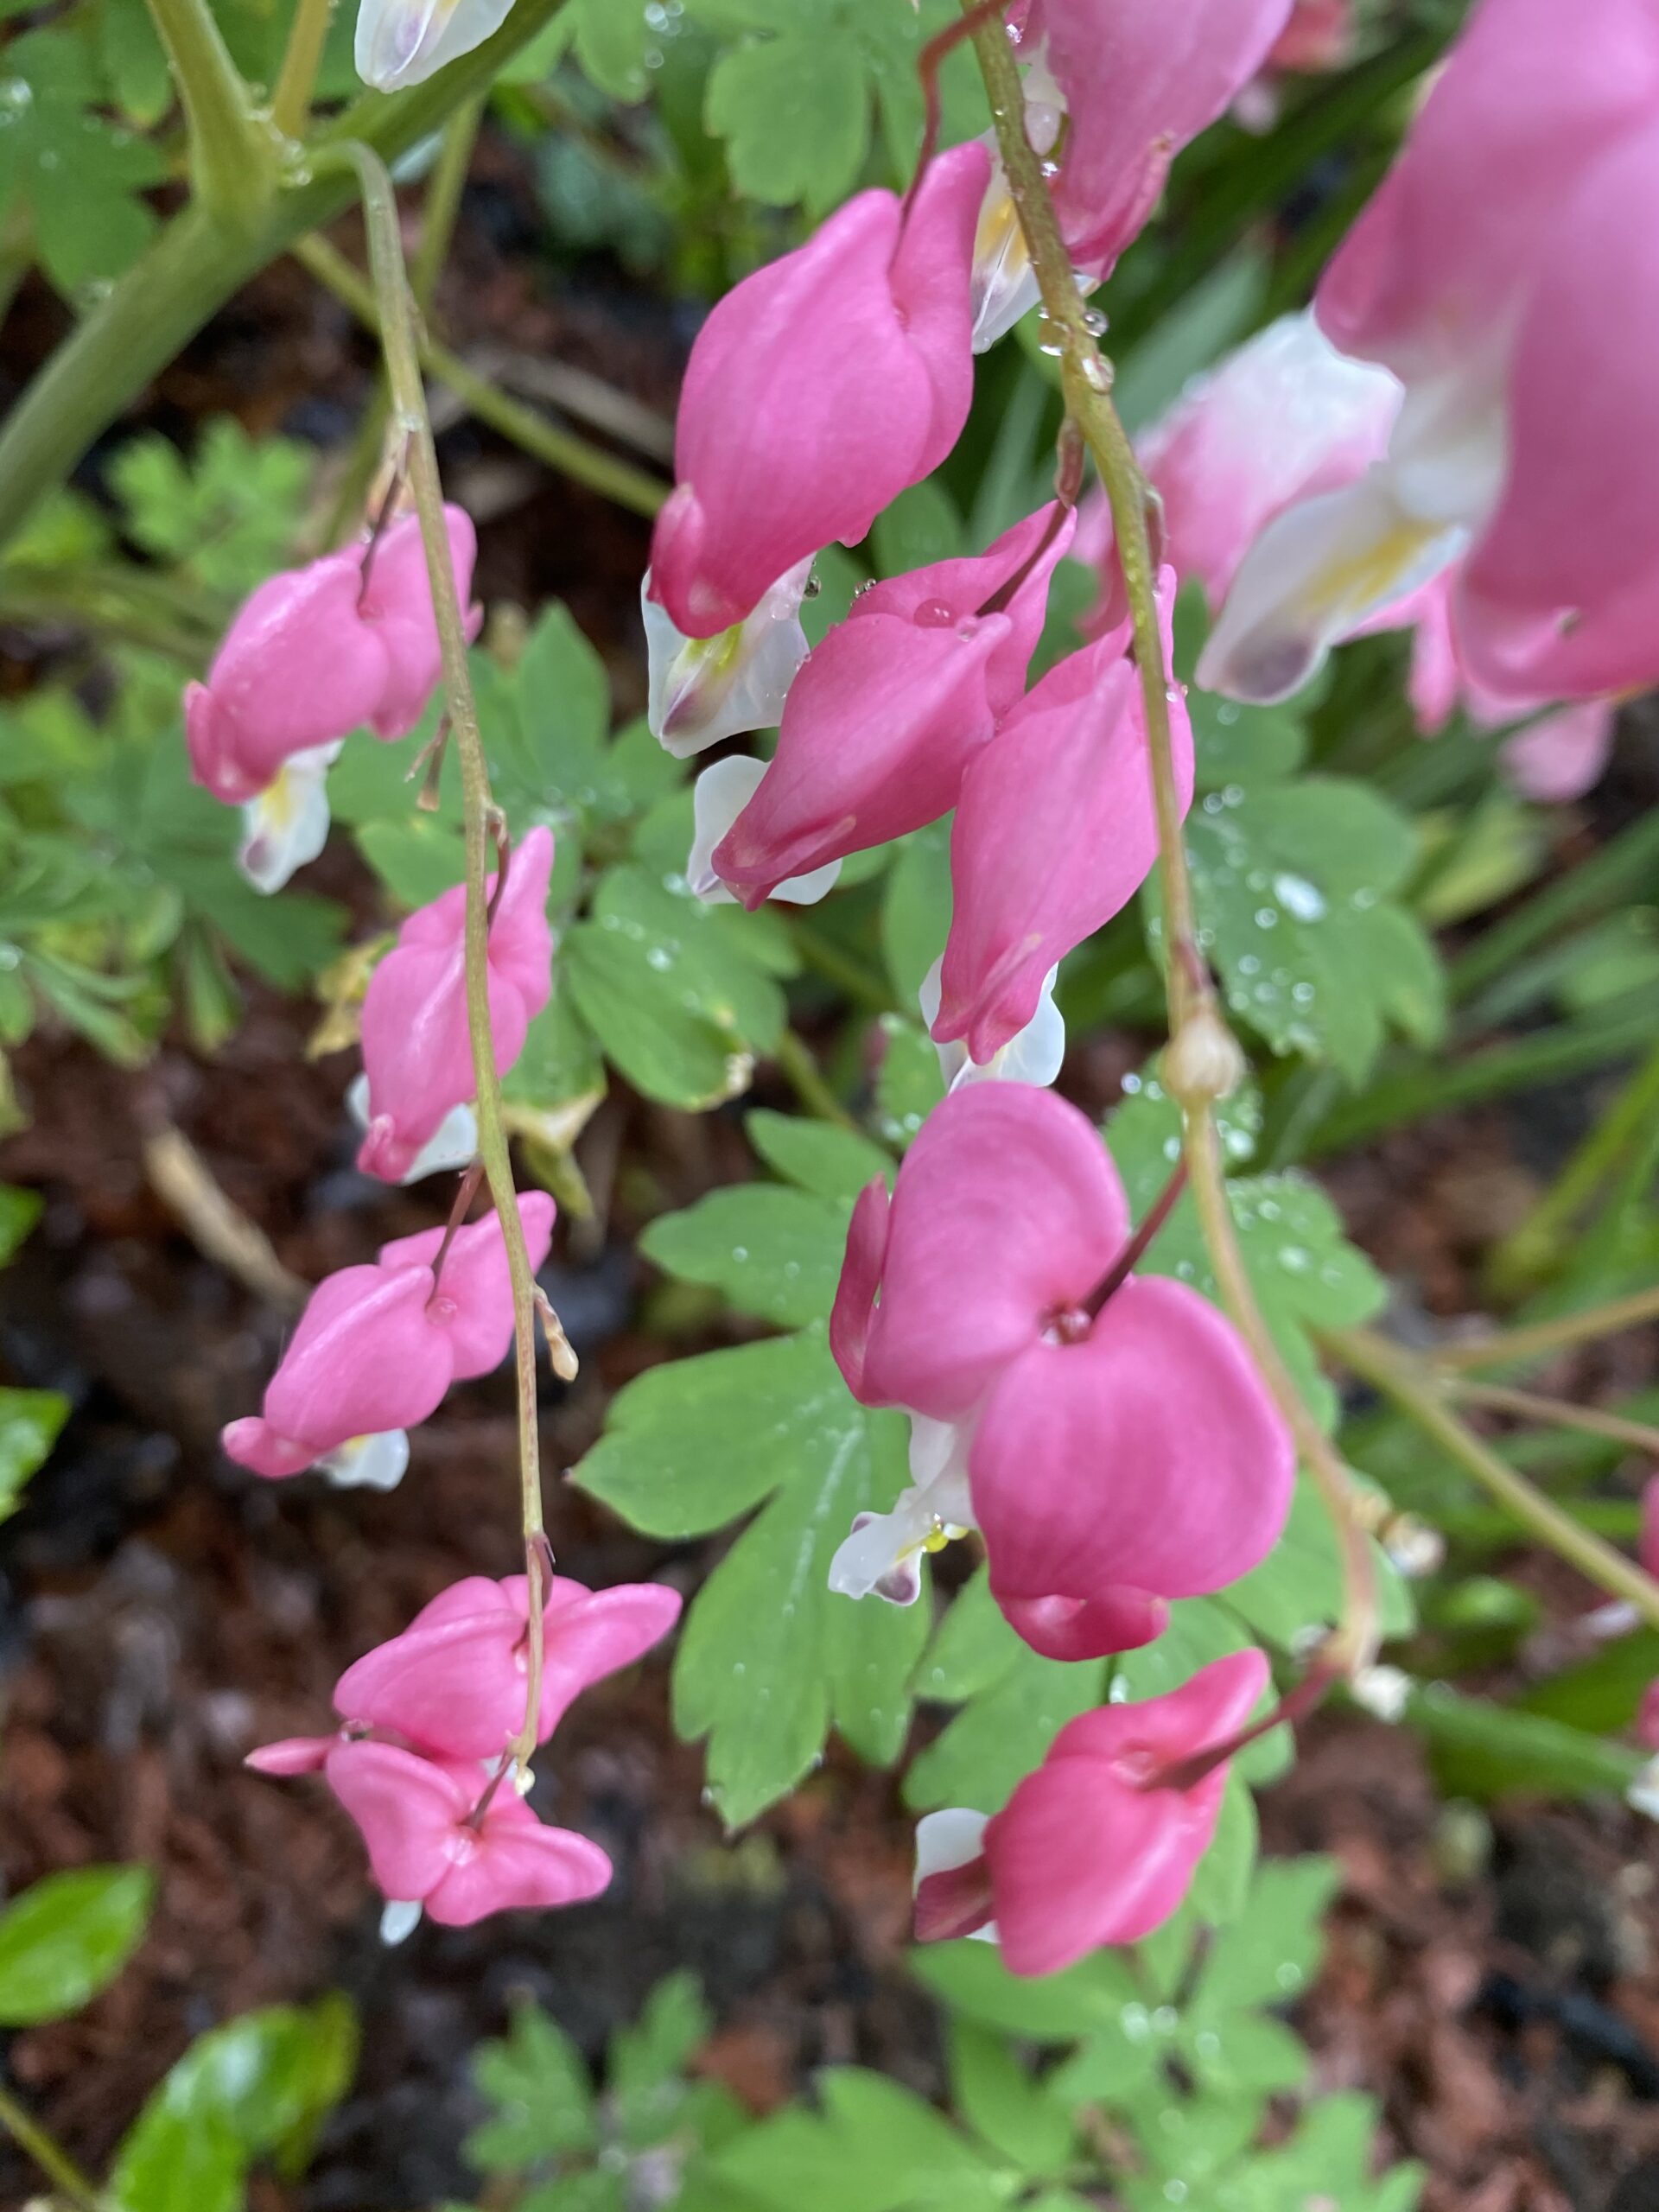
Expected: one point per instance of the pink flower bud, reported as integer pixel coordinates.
(1115, 1459)
(885, 714)
(1055, 832)
(817, 390)
(428, 1843)
(378, 1346)
(453, 1682)
(304, 663)
(1139, 81)
(1096, 1847)
(417, 1049)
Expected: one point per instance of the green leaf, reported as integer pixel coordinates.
(909, 1083)
(1267, 1955)
(1000, 2103)
(646, 2061)
(611, 39)
(68, 171)
(1303, 1269)
(678, 993)
(835, 1163)
(229, 515)
(774, 1253)
(19, 1212)
(1484, 1751)
(66, 1937)
(916, 909)
(876, 2148)
(560, 1061)
(29, 1424)
(770, 1655)
(923, 525)
(538, 2082)
(1292, 883)
(1054, 2008)
(1003, 1731)
(796, 119)
(259, 2088)
(1603, 1693)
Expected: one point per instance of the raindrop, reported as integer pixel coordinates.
(1267, 918)
(933, 614)
(1299, 897)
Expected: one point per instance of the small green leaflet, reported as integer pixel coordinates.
(69, 172)
(794, 94)
(229, 515)
(29, 1422)
(875, 2148)
(543, 2103)
(66, 1937)
(770, 1657)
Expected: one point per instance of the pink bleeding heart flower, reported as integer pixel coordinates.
(1519, 319)
(1139, 81)
(378, 1346)
(316, 652)
(1283, 418)
(454, 1681)
(1115, 1460)
(1097, 1846)
(886, 713)
(429, 1844)
(818, 388)
(416, 1050)
(1055, 832)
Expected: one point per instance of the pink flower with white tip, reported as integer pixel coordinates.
(1505, 271)
(377, 1347)
(1121, 1448)
(417, 1052)
(440, 1836)
(313, 654)
(1100, 1844)
(455, 1681)
(818, 391)
(1054, 834)
(885, 714)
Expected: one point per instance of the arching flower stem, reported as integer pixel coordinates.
(1195, 1020)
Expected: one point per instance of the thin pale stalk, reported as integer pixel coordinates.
(233, 156)
(1512, 1347)
(797, 1065)
(291, 104)
(559, 449)
(1556, 1412)
(1422, 1395)
(50, 2155)
(410, 421)
(1531, 1251)
(1086, 379)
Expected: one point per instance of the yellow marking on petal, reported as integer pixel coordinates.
(1369, 576)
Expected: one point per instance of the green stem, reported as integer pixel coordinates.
(798, 1065)
(53, 2161)
(133, 605)
(439, 210)
(195, 265)
(837, 966)
(561, 450)
(1511, 1347)
(233, 158)
(1420, 1394)
(1198, 1033)
(1622, 867)
(1557, 1412)
(1529, 1253)
(291, 104)
(397, 327)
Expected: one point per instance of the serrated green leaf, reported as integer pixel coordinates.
(795, 116)
(774, 1253)
(972, 1647)
(834, 1163)
(1293, 885)
(1002, 1731)
(228, 515)
(70, 172)
(559, 1060)
(29, 1424)
(67, 1936)
(876, 2148)
(646, 2061)
(1267, 1954)
(770, 1655)
(536, 2079)
(1055, 2008)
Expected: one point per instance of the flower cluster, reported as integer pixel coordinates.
(420, 1758)
(1496, 311)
